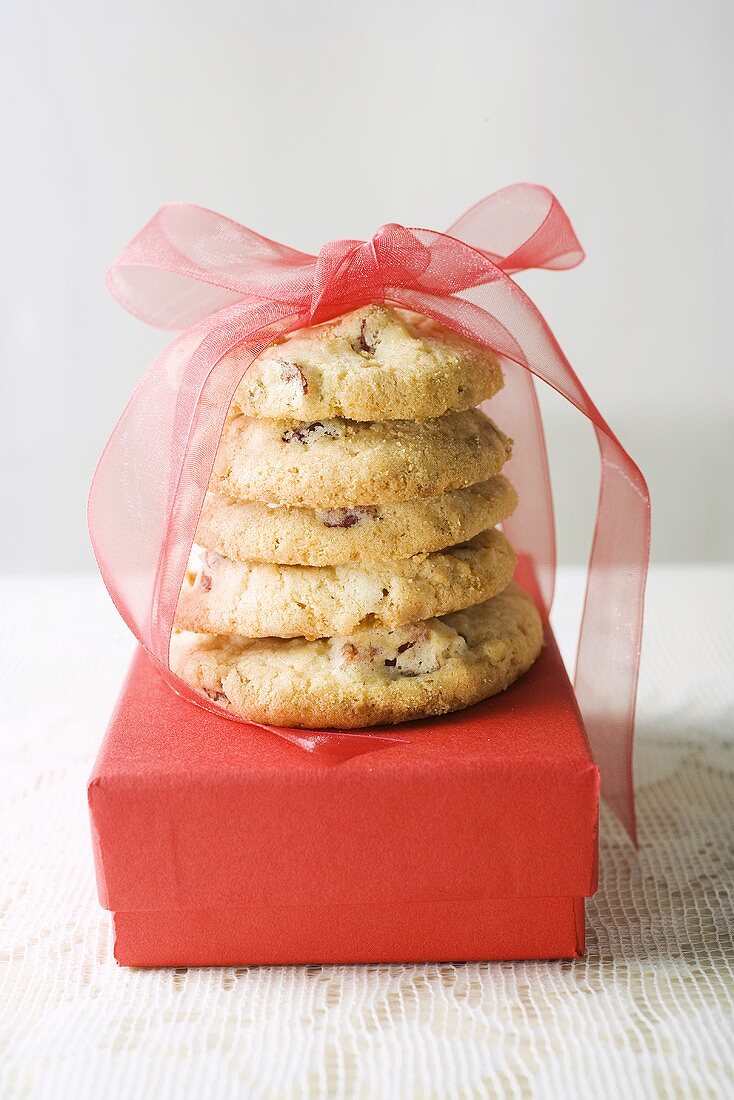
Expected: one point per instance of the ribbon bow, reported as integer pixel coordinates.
(233, 292)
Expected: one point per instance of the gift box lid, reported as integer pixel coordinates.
(194, 811)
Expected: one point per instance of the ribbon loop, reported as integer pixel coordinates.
(188, 262)
(521, 226)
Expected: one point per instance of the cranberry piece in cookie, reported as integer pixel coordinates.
(308, 433)
(368, 340)
(216, 696)
(291, 372)
(347, 517)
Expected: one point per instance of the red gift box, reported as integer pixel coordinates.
(473, 836)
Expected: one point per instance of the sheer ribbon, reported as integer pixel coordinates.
(231, 292)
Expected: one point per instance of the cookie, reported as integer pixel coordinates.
(376, 363)
(373, 677)
(261, 600)
(339, 463)
(251, 531)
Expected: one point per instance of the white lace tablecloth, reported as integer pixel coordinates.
(648, 1012)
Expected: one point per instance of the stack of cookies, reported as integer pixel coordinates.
(348, 570)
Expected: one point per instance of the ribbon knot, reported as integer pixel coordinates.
(402, 257)
(351, 273)
(346, 274)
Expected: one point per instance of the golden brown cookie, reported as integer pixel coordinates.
(252, 531)
(374, 676)
(375, 363)
(261, 600)
(340, 463)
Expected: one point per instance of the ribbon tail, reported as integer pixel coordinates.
(610, 637)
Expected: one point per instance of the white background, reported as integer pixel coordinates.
(313, 120)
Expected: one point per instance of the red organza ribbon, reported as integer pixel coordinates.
(232, 292)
